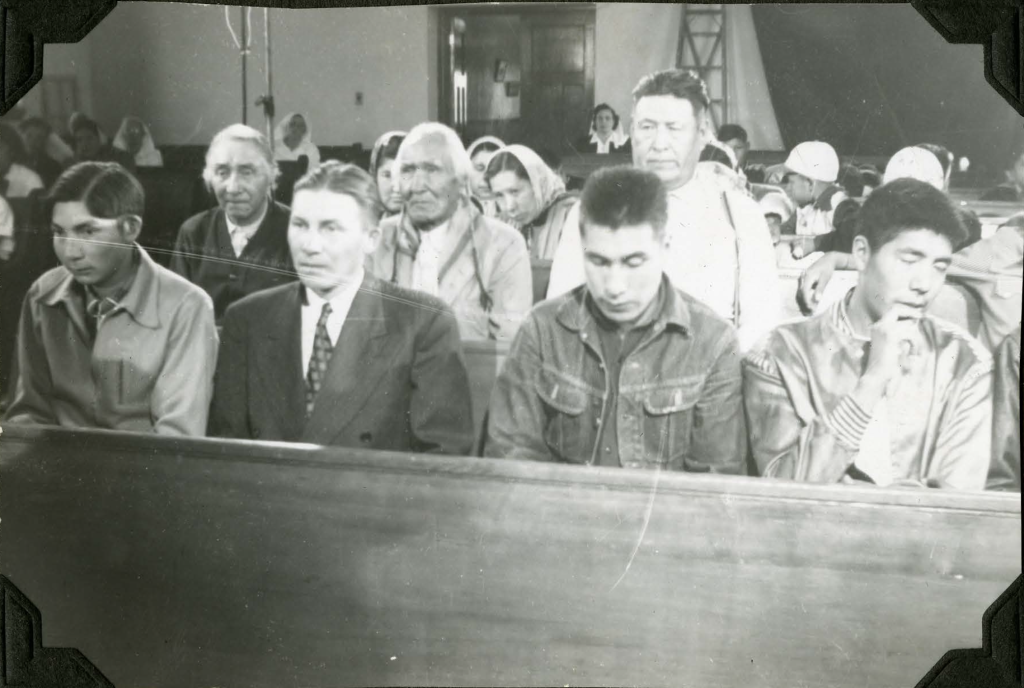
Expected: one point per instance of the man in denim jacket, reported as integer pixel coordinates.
(624, 370)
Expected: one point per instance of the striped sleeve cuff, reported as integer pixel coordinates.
(849, 422)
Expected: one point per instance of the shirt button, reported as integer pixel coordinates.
(597, 422)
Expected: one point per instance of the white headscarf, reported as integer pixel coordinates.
(148, 155)
(545, 184)
(915, 163)
(306, 146)
(493, 140)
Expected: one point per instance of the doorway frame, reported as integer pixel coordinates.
(445, 14)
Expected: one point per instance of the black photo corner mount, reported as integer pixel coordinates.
(998, 25)
(998, 663)
(27, 25)
(24, 662)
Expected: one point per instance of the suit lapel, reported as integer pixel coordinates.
(278, 359)
(359, 358)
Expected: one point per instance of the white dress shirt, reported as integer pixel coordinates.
(311, 309)
(433, 251)
(242, 234)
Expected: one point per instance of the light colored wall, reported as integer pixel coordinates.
(631, 40)
(177, 67)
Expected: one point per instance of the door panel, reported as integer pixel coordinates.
(543, 93)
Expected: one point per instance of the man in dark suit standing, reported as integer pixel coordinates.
(342, 358)
(241, 246)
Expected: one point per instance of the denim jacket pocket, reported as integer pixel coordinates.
(668, 421)
(566, 432)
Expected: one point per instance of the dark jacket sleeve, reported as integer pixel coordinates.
(229, 408)
(1004, 473)
(33, 381)
(517, 421)
(440, 410)
(184, 249)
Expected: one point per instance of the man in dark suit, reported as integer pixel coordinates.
(241, 246)
(342, 358)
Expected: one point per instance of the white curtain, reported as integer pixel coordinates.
(750, 106)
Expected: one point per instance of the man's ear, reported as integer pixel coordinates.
(861, 252)
(130, 227)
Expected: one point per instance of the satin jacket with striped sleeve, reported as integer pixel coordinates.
(804, 426)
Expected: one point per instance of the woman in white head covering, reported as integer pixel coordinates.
(606, 134)
(915, 163)
(480, 153)
(531, 197)
(133, 137)
(293, 139)
(382, 163)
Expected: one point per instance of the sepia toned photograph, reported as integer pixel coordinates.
(510, 344)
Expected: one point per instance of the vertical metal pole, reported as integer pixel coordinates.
(270, 77)
(245, 94)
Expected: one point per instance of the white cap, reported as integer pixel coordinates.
(777, 203)
(815, 160)
(915, 163)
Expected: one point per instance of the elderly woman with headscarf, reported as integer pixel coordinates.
(382, 169)
(134, 138)
(606, 134)
(293, 139)
(480, 153)
(531, 197)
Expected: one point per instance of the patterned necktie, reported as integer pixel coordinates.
(318, 361)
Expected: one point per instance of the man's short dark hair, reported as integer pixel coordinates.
(728, 132)
(622, 196)
(908, 204)
(681, 83)
(107, 190)
(852, 181)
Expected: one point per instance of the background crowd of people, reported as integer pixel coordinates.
(660, 343)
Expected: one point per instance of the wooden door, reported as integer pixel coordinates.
(557, 77)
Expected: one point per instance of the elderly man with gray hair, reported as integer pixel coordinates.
(442, 245)
(241, 246)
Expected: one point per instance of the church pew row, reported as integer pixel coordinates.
(202, 563)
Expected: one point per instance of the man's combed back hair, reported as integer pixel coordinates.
(107, 190)
(908, 204)
(622, 196)
(681, 83)
(242, 132)
(348, 180)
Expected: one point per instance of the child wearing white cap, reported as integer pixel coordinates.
(811, 172)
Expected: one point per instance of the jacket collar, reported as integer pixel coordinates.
(141, 302)
(574, 315)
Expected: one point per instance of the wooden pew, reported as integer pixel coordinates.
(208, 563)
(483, 363)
